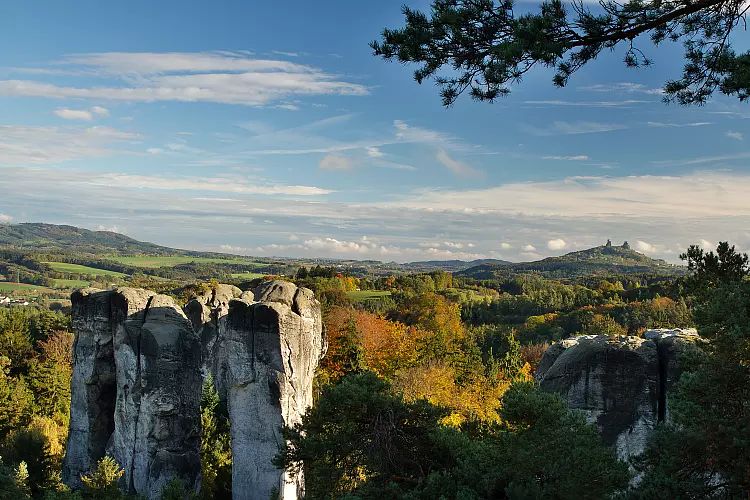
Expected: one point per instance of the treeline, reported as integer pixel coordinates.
(35, 371)
(397, 413)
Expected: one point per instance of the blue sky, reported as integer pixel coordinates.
(255, 129)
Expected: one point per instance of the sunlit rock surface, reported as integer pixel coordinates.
(137, 382)
(135, 390)
(271, 349)
(620, 383)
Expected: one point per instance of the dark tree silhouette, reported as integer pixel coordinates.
(484, 46)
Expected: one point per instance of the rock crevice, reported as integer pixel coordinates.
(620, 383)
(137, 378)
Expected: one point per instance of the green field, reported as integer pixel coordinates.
(6, 286)
(64, 267)
(247, 276)
(60, 283)
(153, 261)
(362, 295)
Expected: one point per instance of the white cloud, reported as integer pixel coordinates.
(626, 87)
(74, 114)
(701, 194)
(81, 114)
(25, 145)
(701, 160)
(374, 152)
(677, 125)
(188, 212)
(556, 244)
(5, 219)
(567, 158)
(458, 168)
(645, 247)
(335, 162)
(208, 184)
(410, 133)
(737, 136)
(572, 128)
(111, 229)
(706, 245)
(586, 104)
(223, 77)
(288, 107)
(394, 165)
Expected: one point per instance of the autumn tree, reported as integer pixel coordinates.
(484, 46)
(360, 435)
(363, 441)
(435, 314)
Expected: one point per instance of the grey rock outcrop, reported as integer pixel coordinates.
(137, 382)
(92, 404)
(206, 313)
(270, 350)
(620, 383)
(143, 386)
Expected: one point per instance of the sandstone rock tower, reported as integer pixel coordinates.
(137, 382)
(135, 390)
(620, 383)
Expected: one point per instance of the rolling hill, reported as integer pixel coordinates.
(53, 238)
(603, 259)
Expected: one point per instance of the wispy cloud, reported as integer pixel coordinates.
(701, 160)
(225, 77)
(200, 184)
(709, 194)
(572, 128)
(586, 104)
(567, 158)
(81, 114)
(335, 162)
(625, 87)
(457, 167)
(406, 132)
(677, 125)
(737, 136)
(25, 145)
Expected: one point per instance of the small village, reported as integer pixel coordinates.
(8, 301)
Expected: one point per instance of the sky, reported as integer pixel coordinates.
(269, 129)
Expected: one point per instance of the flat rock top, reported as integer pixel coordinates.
(620, 341)
(664, 333)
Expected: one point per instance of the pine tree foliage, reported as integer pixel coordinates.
(484, 46)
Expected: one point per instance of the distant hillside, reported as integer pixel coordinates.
(53, 238)
(598, 260)
(452, 265)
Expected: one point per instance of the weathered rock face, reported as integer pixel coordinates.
(93, 384)
(143, 386)
(137, 382)
(206, 313)
(620, 383)
(269, 351)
